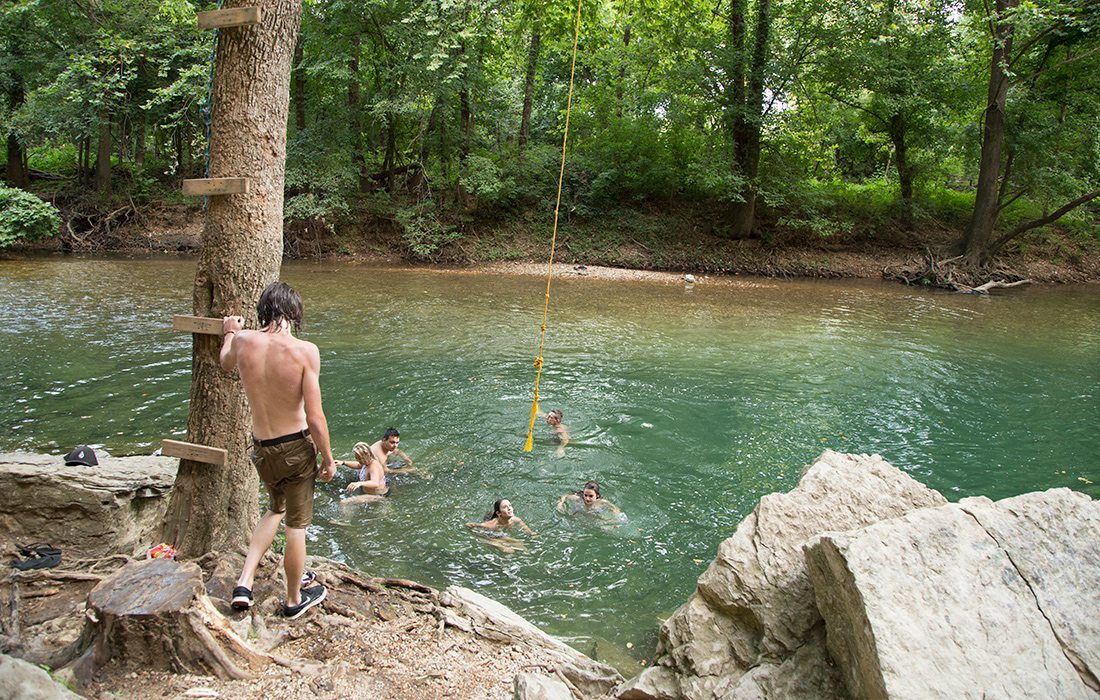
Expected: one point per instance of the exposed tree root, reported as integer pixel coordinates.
(952, 274)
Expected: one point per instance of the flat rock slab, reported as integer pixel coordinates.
(968, 600)
(111, 508)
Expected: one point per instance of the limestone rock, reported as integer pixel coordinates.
(754, 607)
(20, 680)
(537, 686)
(1053, 540)
(966, 600)
(112, 508)
(491, 620)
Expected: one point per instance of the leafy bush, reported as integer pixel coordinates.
(483, 178)
(25, 217)
(422, 230)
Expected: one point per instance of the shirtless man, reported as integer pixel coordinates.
(560, 431)
(387, 447)
(280, 375)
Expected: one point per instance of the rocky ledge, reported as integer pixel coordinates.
(860, 582)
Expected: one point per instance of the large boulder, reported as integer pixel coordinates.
(90, 512)
(752, 628)
(969, 600)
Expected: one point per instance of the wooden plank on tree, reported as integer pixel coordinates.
(193, 452)
(217, 185)
(232, 17)
(198, 324)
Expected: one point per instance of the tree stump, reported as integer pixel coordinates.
(155, 615)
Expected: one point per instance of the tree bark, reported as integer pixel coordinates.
(747, 92)
(358, 157)
(979, 230)
(905, 172)
(103, 154)
(17, 175)
(299, 86)
(215, 508)
(529, 89)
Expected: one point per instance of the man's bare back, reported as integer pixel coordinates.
(272, 367)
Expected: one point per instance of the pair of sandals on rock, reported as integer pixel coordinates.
(36, 556)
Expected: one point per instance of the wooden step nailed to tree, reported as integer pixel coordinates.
(193, 452)
(202, 187)
(198, 324)
(232, 17)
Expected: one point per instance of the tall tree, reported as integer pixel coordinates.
(747, 55)
(1029, 45)
(215, 508)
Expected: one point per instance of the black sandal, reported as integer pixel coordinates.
(36, 556)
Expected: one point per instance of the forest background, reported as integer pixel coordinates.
(431, 130)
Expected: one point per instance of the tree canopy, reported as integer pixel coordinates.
(435, 114)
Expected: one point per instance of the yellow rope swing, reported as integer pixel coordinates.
(553, 236)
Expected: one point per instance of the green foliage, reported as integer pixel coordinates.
(483, 178)
(24, 217)
(422, 229)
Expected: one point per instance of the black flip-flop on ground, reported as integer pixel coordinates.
(37, 556)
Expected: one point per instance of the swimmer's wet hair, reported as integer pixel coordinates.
(556, 412)
(496, 509)
(590, 485)
(363, 453)
(279, 301)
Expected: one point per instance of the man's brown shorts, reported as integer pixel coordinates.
(288, 471)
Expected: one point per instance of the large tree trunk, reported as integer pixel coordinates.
(747, 96)
(358, 157)
(529, 89)
(103, 154)
(905, 171)
(17, 159)
(979, 231)
(215, 508)
(299, 86)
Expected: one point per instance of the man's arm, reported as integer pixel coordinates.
(231, 325)
(315, 414)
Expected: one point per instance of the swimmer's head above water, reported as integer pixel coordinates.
(501, 507)
(590, 493)
(362, 453)
(555, 416)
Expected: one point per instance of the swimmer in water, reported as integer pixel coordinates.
(587, 500)
(372, 477)
(501, 518)
(560, 430)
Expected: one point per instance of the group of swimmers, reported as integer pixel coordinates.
(372, 465)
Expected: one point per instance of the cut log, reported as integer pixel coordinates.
(194, 452)
(154, 615)
(232, 17)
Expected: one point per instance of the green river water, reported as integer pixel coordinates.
(686, 404)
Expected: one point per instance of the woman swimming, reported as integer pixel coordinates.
(501, 518)
(587, 500)
(372, 477)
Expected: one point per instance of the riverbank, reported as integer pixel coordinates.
(676, 241)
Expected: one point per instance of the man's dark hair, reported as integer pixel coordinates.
(390, 432)
(279, 301)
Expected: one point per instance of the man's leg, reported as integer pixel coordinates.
(262, 537)
(294, 563)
